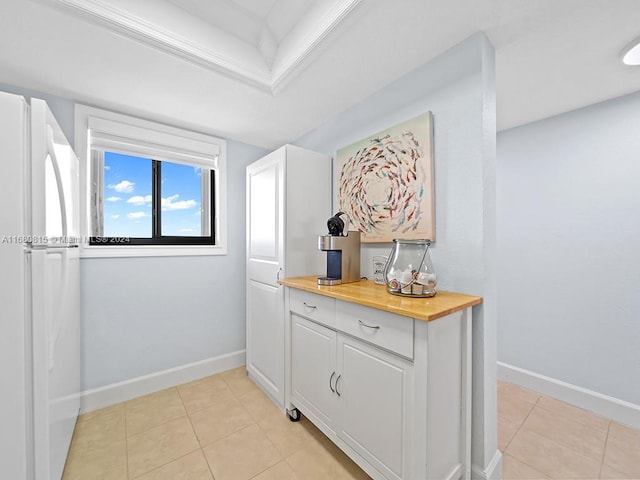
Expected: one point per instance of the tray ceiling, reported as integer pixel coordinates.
(261, 42)
(266, 72)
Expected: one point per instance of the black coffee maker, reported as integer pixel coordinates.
(343, 252)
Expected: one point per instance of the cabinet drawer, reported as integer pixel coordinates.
(384, 329)
(315, 307)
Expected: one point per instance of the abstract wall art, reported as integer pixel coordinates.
(385, 182)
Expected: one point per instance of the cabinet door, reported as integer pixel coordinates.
(265, 298)
(375, 389)
(313, 372)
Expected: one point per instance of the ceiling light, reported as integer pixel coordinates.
(631, 53)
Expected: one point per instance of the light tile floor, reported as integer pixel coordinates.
(543, 438)
(220, 427)
(223, 427)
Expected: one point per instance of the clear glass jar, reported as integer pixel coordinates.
(409, 270)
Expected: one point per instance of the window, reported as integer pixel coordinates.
(150, 189)
(142, 201)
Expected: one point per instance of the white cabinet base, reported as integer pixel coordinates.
(398, 418)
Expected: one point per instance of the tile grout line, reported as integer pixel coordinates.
(581, 422)
(604, 450)
(159, 425)
(126, 438)
(196, 434)
(266, 434)
(521, 424)
(518, 430)
(237, 398)
(206, 460)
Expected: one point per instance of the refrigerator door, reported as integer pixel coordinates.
(55, 181)
(14, 330)
(54, 292)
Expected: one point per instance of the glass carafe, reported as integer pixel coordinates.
(409, 270)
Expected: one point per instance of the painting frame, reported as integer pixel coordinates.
(385, 182)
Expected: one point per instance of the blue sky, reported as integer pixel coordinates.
(127, 197)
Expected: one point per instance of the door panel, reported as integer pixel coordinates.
(373, 391)
(265, 217)
(313, 370)
(264, 340)
(264, 221)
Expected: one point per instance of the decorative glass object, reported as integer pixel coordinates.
(379, 262)
(409, 271)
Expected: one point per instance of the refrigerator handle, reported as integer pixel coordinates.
(56, 170)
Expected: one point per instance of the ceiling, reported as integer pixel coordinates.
(266, 72)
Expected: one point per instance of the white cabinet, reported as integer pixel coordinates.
(313, 371)
(354, 391)
(288, 204)
(391, 391)
(375, 392)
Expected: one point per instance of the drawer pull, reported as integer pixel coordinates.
(331, 378)
(374, 327)
(337, 380)
(309, 306)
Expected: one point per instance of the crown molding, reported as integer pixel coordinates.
(118, 19)
(309, 38)
(289, 58)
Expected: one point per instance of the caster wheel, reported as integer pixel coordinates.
(294, 415)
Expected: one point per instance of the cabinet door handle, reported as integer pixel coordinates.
(374, 327)
(309, 306)
(278, 274)
(331, 378)
(337, 380)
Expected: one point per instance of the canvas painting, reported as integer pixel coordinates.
(385, 182)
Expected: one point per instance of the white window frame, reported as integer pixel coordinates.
(154, 136)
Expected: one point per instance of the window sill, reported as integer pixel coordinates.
(150, 251)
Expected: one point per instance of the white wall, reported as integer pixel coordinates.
(145, 315)
(62, 109)
(569, 242)
(458, 87)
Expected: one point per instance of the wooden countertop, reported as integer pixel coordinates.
(370, 294)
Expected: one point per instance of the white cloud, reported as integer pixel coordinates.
(136, 215)
(170, 203)
(113, 199)
(107, 167)
(115, 217)
(125, 186)
(139, 200)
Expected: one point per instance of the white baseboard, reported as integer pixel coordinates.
(493, 470)
(97, 398)
(609, 407)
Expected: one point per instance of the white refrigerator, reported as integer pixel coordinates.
(39, 291)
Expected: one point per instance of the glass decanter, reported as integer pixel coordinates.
(409, 271)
